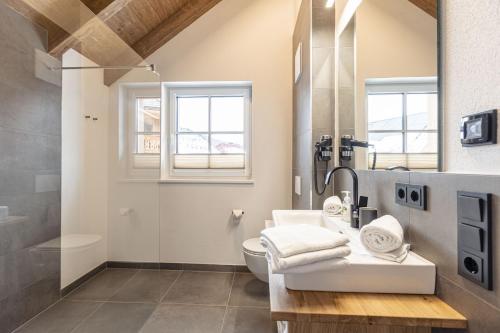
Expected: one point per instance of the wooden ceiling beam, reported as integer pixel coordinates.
(159, 36)
(428, 6)
(81, 39)
(172, 26)
(55, 33)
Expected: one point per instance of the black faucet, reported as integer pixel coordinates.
(355, 202)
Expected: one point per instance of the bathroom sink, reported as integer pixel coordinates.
(415, 275)
(315, 217)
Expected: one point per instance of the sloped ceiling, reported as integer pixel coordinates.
(428, 6)
(111, 32)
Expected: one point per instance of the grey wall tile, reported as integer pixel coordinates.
(430, 228)
(433, 234)
(323, 109)
(30, 145)
(313, 95)
(323, 64)
(323, 26)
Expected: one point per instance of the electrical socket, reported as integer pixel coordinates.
(401, 193)
(414, 196)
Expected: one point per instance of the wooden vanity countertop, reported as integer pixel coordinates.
(360, 308)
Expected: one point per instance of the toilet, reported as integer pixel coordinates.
(255, 258)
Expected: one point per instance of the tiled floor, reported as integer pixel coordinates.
(150, 301)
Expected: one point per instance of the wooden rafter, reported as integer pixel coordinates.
(111, 32)
(428, 6)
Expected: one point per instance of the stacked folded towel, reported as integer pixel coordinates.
(304, 248)
(383, 238)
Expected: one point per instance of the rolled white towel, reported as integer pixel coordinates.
(382, 235)
(330, 264)
(397, 255)
(333, 206)
(308, 257)
(289, 240)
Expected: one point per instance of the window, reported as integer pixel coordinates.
(209, 129)
(403, 122)
(144, 131)
(147, 124)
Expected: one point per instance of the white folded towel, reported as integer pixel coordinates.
(319, 266)
(397, 255)
(307, 258)
(382, 235)
(290, 240)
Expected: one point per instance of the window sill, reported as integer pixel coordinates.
(138, 180)
(207, 181)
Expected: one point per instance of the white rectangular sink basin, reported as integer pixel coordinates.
(415, 275)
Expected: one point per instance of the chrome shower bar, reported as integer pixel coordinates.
(153, 68)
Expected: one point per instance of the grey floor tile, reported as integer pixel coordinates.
(249, 291)
(171, 318)
(146, 286)
(200, 288)
(61, 318)
(117, 317)
(104, 285)
(248, 320)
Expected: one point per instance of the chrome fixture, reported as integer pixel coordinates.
(153, 68)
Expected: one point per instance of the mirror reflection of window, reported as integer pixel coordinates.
(402, 122)
(387, 72)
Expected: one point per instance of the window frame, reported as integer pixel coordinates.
(150, 161)
(404, 87)
(170, 92)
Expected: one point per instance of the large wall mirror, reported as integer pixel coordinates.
(387, 95)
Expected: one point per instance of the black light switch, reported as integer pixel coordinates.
(470, 208)
(474, 237)
(471, 237)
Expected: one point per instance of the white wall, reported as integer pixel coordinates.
(84, 163)
(237, 40)
(394, 38)
(472, 78)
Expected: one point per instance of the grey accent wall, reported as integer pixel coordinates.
(313, 96)
(433, 234)
(30, 157)
(302, 110)
(347, 83)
